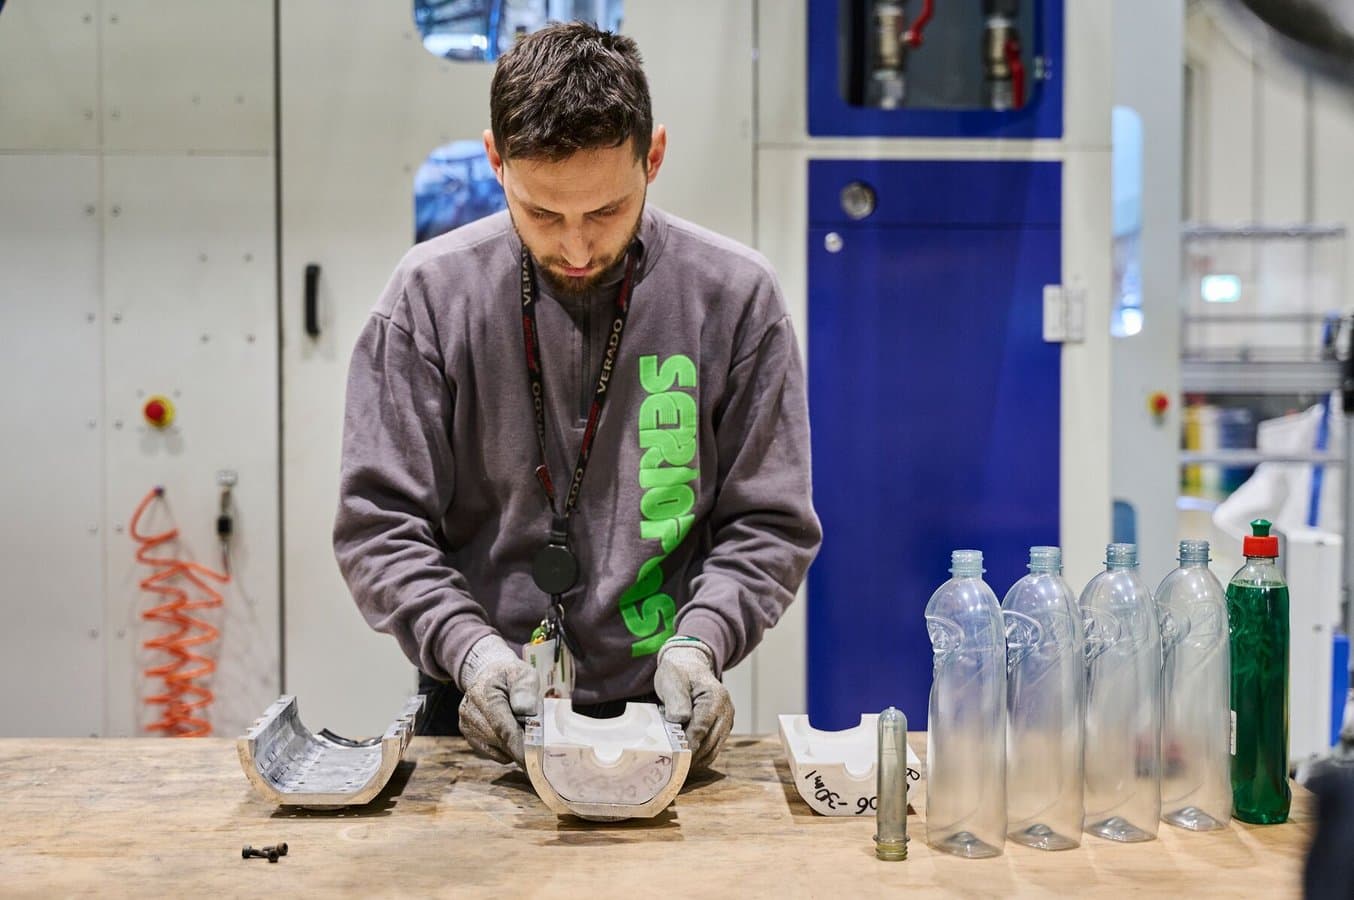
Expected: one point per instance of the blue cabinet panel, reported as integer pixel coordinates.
(830, 115)
(931, 193)
(935, 409)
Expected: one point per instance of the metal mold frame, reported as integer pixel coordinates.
(605, 770)
(289, 765)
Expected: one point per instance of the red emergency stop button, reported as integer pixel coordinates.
(1158, 403)
(159, 412)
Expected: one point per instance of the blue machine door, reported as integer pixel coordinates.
(934, 403)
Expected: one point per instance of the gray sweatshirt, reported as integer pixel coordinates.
(695, 514)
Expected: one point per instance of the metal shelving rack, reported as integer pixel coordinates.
(1330, 369)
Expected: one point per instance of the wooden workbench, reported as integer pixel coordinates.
(116, 817)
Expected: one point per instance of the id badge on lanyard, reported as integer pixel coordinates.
(553, 662)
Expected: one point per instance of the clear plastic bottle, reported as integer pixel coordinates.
(1046, 691)
(966, 734)
(1196, 787)
(1123, 701)
(1257, 612)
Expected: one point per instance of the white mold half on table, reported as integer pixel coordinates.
(835, 771)
(289, 765)
(628, 767)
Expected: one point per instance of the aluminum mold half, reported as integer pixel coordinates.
(290, 766)
(629, 767)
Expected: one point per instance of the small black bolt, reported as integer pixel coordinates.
(249, 852)
(280, 848)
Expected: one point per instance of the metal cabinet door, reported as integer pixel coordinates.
(935, 407)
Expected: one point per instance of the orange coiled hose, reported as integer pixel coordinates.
(184, 699)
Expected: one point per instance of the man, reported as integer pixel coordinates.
(475, 409)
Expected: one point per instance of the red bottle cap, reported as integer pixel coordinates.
(1260, 543)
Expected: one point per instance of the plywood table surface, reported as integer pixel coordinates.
(161, 817)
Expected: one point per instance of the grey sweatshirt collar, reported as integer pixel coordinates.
(652, 236)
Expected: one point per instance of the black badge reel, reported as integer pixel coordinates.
(555, 569)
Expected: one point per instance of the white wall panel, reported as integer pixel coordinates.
(1088, 79)
(122, 276)
(1086, 228)
(780, 664)
(1145, 466)
(51, 542)
(698, 59)
(48, 75)
(190, 295)
(1229, 117)
(1332, 150)
(189, 75)
(782, 55)
(1195, 130)
(1281, 142)
(363, 104)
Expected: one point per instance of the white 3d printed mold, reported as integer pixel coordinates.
(289, 765)
(628, 767)
(835, 770)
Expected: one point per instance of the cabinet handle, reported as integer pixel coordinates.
(313, 300)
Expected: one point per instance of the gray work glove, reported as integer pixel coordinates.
(499, 688)
(692, 696)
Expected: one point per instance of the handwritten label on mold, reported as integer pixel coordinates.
(833, 799)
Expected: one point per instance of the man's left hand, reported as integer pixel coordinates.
(692, 696)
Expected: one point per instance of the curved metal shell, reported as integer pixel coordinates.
(290, 766)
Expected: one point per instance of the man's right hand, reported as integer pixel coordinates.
(499, 688)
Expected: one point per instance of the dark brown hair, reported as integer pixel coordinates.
(567, 88)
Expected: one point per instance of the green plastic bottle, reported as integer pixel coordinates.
(1257, 611)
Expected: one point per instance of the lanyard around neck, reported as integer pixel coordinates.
(536, 378)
